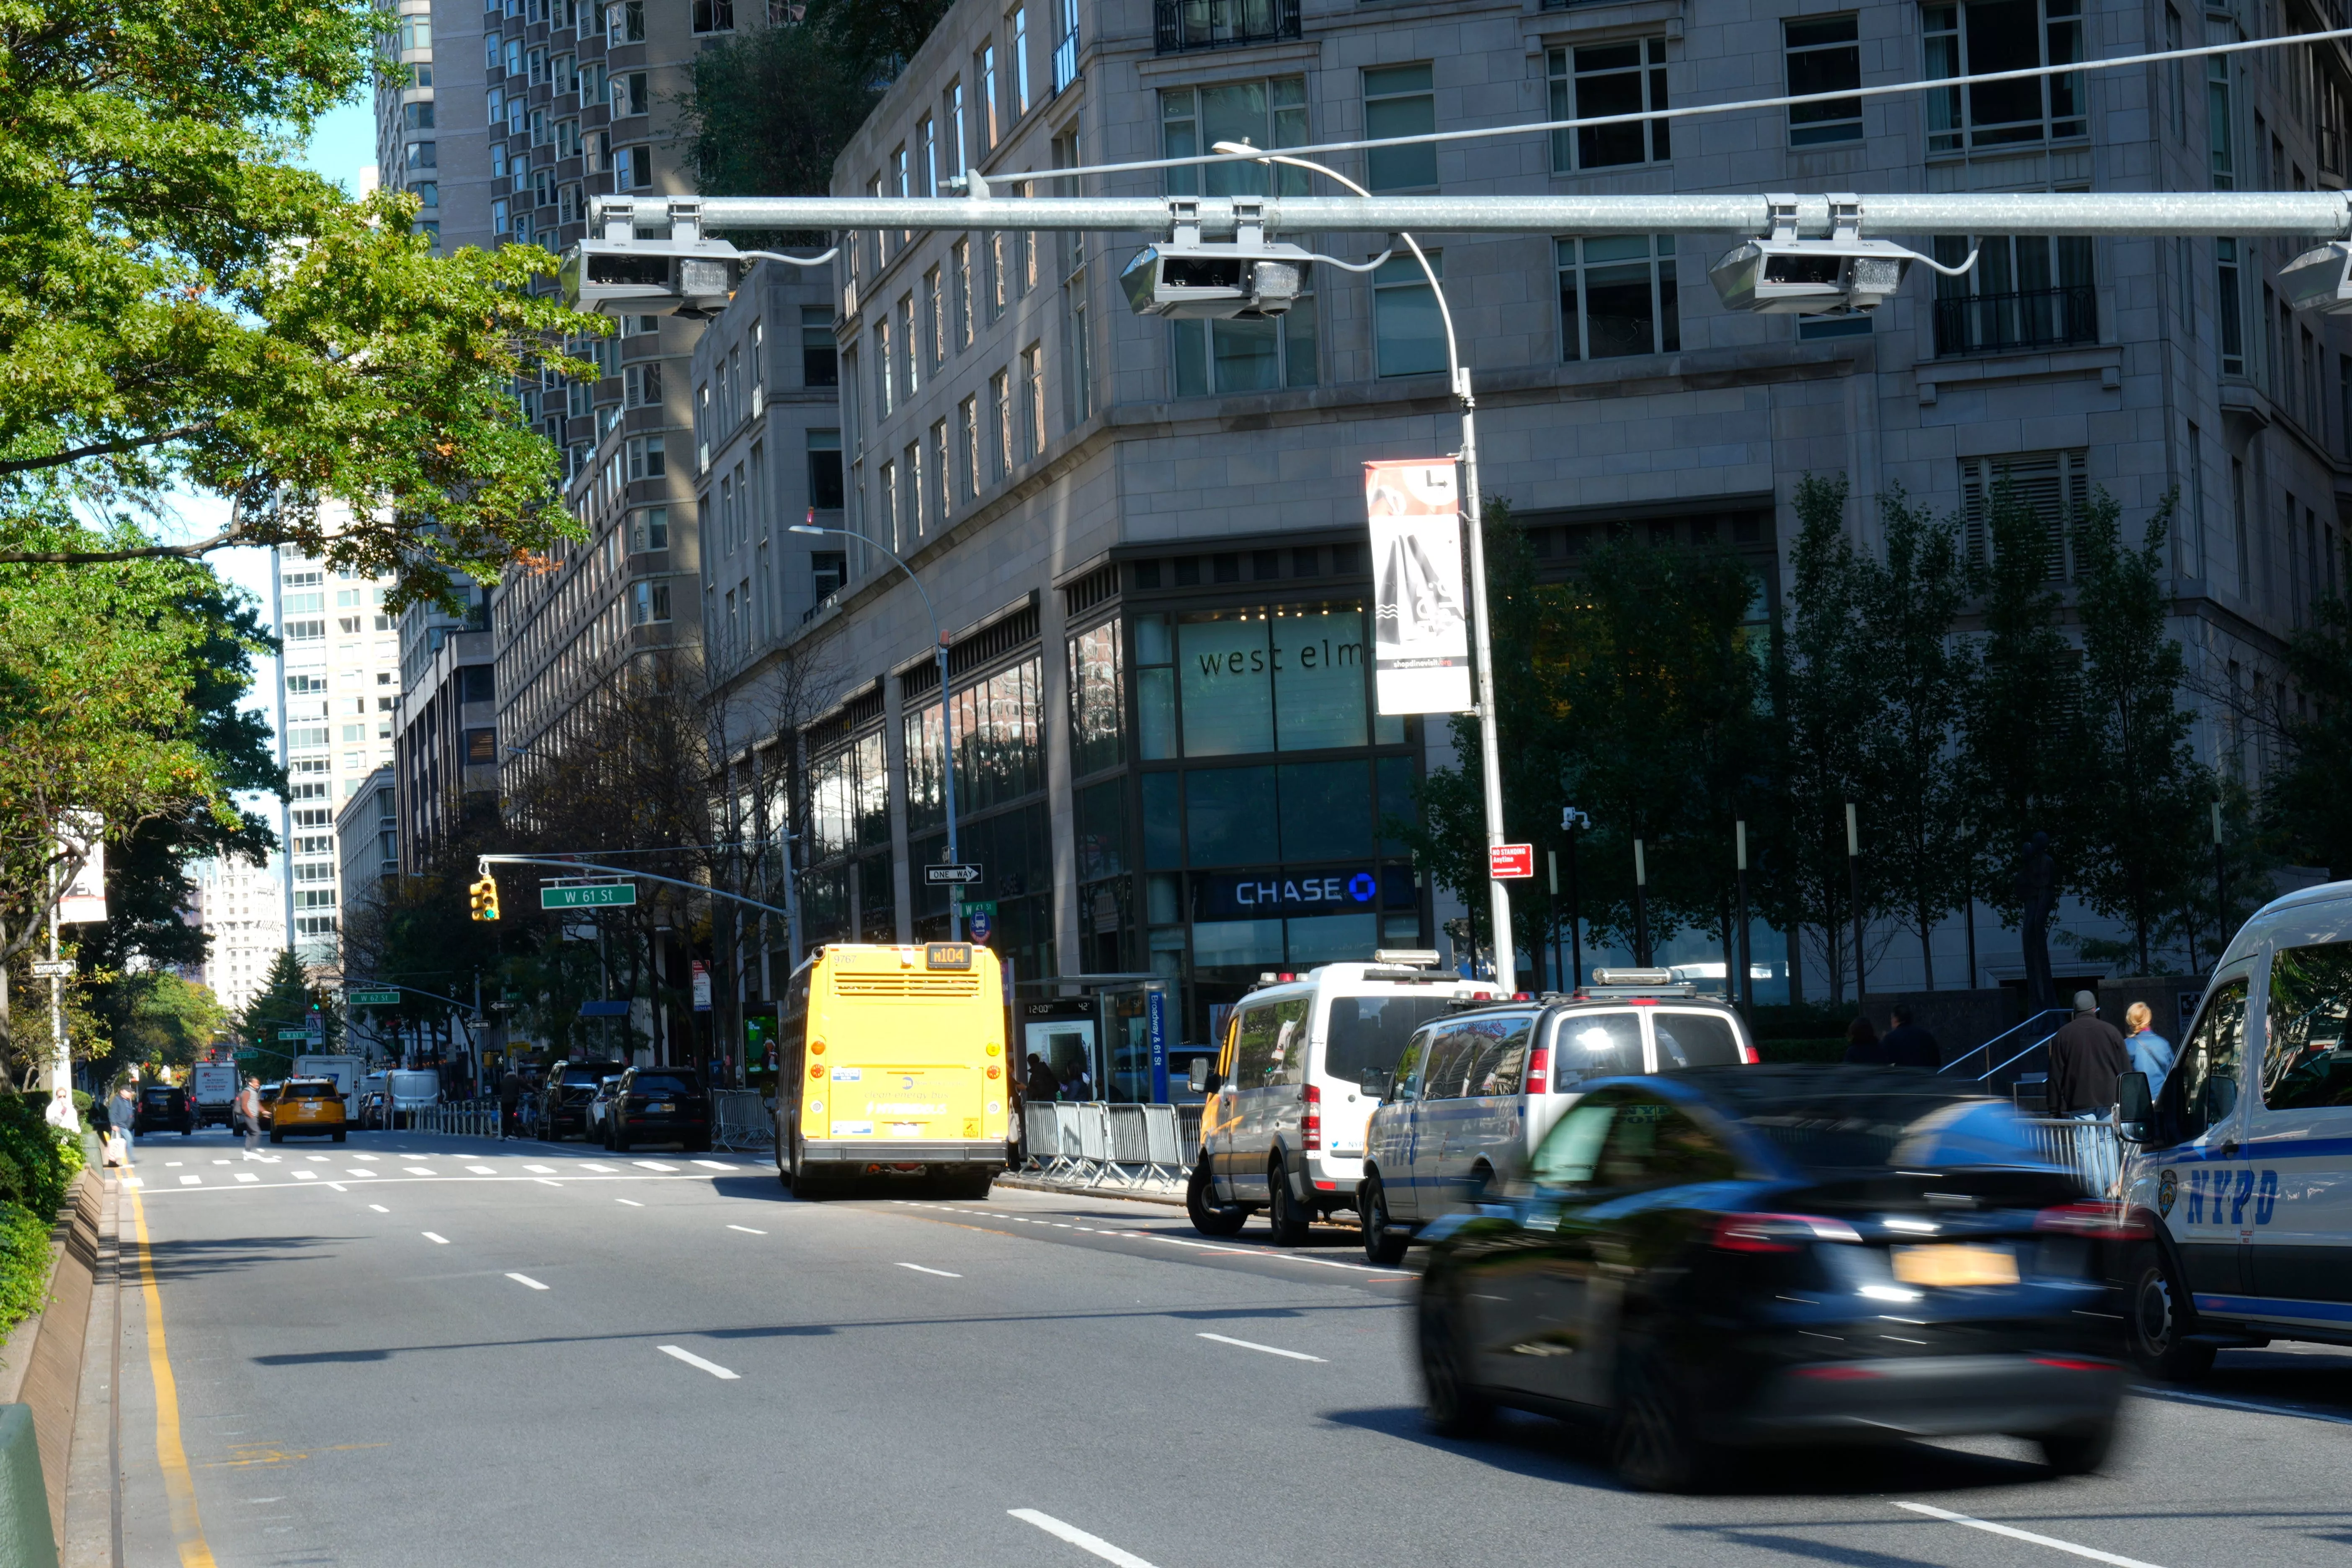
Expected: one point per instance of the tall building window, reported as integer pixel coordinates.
(1979, 36)
(635, 167)
(421, 155)
(884, 394)
(649, 457)
(649, 529)
(939, 471)
(957, 160)
(960, 292)
(1824, 54)
(1408, 330)
(824, 471)
(999, 403)
(1399, 100)
(2229, 309)
(988, 95)
(2178, 73)
(909, 379)
(1593, 79)
(1066, 46)
(927, 161)
(2220, 115)
(1261, 356)
(1269, 113)
(889, 480)
(993, 262)
(2023, 292)
(649, 601)
(915, 521)
(820, 356)
(967, 443)
(1017, 25)
(714, 15)
(1617, 297)
(935, 323)
(1033, 401)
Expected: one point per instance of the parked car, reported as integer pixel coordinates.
(306, 1107)
(563, 1098)
(658, 1105)
(1283, 1126)
(163, 1107)
(269, 1095)
(1733, 1258)
(374, 1114)
(599, 1107)
(1475, 1092)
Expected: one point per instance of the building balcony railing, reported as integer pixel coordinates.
(2005, 323)
(1186, 25)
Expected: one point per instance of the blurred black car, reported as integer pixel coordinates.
(1744, 1257)
(658, 1105)
(163, 1107)
(563, 1098)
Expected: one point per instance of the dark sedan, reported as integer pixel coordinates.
(1735, 1257)
(658, 1105)
(564, 1098)
(164, 1108)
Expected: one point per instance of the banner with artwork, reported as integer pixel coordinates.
(1420, 638)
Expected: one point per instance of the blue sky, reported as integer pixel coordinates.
(343, 142)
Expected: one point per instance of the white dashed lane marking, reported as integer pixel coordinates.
(941, 1272)
(440, 1240)
(713, 1367)
(526, 1280)
(379, 1208)
(1269, 1350)
(746, 1229)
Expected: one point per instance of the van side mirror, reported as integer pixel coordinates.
(1375, 1082)
(2135, 1108)
(1197, 1080)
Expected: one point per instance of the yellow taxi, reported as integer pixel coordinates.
(306, 1107)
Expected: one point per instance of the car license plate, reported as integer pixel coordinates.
(1952, 1266)
(661, 1105)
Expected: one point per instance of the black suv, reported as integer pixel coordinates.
(563, 1098)
(163, 1107)
(658, 1105)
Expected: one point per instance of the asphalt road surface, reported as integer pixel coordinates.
(449, 1352)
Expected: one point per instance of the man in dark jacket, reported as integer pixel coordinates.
(2086, 1057)
(1906, 1045)
(509, 1101)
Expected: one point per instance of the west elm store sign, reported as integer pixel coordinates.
(1269, 895)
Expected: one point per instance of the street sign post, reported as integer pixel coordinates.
(53, 968)
(981, 907)
(1510, 861)
(599, 895)
(951, 876)
(372, 998)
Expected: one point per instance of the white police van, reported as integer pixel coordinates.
(2240, 1164)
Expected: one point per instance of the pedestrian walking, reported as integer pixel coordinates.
(122, 1116)
(509, 1101)
(2086, 1057)
(2150, 1052)
(248, 1113)
(1906, 1045)
(1862, 1047)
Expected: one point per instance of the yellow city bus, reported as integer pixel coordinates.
(891, 1062)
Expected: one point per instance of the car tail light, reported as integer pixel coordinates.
(2073, 1363)
(1777, 1232)
(2103, 1221)
(1843, 1373)
(1539, 1070)
(1311, 1130)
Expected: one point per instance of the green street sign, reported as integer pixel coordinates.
(980, 907)
(293, 1034)
(607, 893)
(373, 999)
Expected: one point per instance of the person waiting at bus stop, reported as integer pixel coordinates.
(1040, 1082)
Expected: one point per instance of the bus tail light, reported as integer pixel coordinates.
(1539, 1070)
(1311, 1130)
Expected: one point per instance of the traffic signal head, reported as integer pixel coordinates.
(484, 897)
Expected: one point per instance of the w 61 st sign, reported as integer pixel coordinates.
(1509, 862)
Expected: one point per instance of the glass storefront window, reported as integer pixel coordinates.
(1286, 678)
(1101, 830)
(1226, 679)
(1318, 678)
(872, 793)
(1323, 812)
(999, 757)
(1331, 939)
(1098, 702)
(1229, 816)
(1218, 944)
(1164, 823)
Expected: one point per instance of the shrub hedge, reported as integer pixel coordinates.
(38, 1164)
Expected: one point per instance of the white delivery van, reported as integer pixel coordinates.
(1283, 1125)
(212, 1092)
(346, 1070)
(408, 1090)
(2239, 1166)
(1476, 1092)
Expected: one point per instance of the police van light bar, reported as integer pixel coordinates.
(1407, 957)
(1632, 977)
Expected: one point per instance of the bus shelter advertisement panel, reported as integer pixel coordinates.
(1421, 644)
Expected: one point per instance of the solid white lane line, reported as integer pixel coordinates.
(1078, 1538)
(631, 1202)
(379, 1208)
(432, 1237)
(713, 1367)
(527, 1280)
(2170, 1394)
(747, 1230)
(2052, 1542)
(941, 1272)
(1270, 1349)
(541, 1170)
(652, 1165)
(191, 1181)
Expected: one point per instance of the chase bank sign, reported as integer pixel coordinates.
(1273, 895)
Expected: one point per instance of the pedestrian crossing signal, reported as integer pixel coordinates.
(485, 894)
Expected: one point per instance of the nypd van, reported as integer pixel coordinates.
(2239, 1166)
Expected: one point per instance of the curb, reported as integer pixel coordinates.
(41, 1365)
(1033, 1185)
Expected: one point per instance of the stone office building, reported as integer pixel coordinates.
(1137, 531)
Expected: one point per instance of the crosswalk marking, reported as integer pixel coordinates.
(379, 1208)
(592, 1166)
(652, 1165)
(356, 1171)
(483, 1170)
(432, 1237)
(715, 1166)
(419, 1171)
(541, 1170)
(631, 1202)
(306, 1175)
(191, 1181)
(247, 1176)
(363, 1156)
(747, 1230)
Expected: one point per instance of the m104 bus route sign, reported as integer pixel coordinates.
(1510, 861)
(601, 894)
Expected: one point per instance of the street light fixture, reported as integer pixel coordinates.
(947, 711)
(1489, 745)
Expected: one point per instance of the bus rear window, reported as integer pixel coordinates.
(1369, 1032)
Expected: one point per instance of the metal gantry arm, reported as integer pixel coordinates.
(486, 861)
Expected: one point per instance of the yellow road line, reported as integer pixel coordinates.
(179, 1486)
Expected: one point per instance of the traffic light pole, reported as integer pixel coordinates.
(486, 861)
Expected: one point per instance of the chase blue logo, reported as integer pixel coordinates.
(1363, 887)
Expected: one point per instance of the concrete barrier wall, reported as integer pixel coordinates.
(40, 1365)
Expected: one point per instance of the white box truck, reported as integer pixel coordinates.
(212, 1092)
(345, 1070)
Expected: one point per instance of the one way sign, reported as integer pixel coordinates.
(957, 876)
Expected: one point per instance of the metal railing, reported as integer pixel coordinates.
(1184, 24)
(2027, 319)
(2036, 1027)
(1097, 1144)
(455, 1118)
(2090, 1149)
(740, 1119)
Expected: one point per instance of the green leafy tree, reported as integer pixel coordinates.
(2307, 801)
(874, 37)
(768, 111)
(189, 310)
(155, 1018)
(2142, 849)
(283, 1003)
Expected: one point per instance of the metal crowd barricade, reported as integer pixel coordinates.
(2090, 1149)
(1163, 1150)
(1130, 1145)
(740, 1120)
(1093, 1125)
(1187, 1128)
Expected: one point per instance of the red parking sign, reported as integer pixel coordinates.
(1508, 861)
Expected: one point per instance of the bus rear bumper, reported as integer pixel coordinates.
(989, 1152)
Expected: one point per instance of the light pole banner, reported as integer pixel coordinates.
(1421, 639)
(85, 900)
